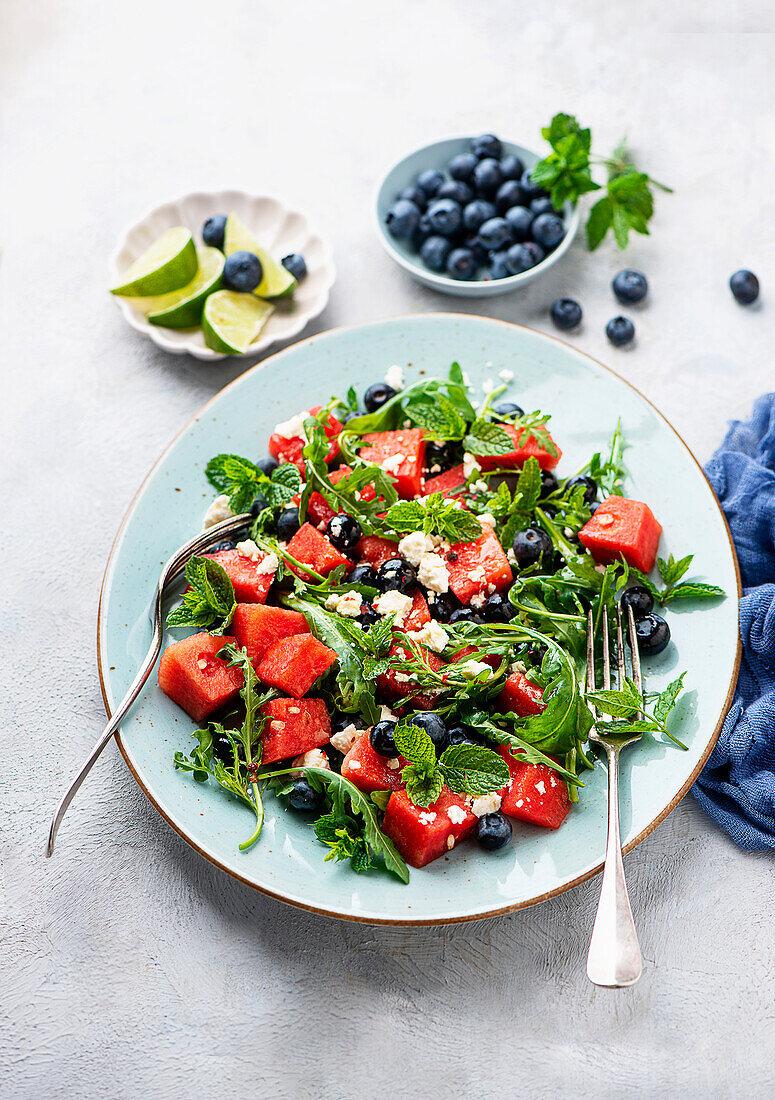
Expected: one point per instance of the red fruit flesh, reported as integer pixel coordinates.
(311, 548)
(294, 664)
(407, 475)
(369, 771)
(195, 678)
(625, 528)
(257, 627)
(520, 696)
(535, 793)
(473, 566)
(423, 833)
(295, 726)
(525, 447)
(251, 585)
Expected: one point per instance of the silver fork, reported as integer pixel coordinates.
(169, 574)
(614, 958)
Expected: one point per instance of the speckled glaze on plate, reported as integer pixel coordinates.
(585, 400)
(277, 229)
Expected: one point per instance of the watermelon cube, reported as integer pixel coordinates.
(535, 793)
(525, 447)
(520, 696)
(369, 771)
(250, 577)
(311, 548)
(289, 448)
(475, 566)
(257, 627)
(195, 678)
(418, 614)
(294, 664)
(400, 685)
(450, 484)
(625, 528)
(375, 550)
(295, 726)
(469, 652)
(401, 454)
(423, 833)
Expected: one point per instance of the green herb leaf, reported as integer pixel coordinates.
(473, 769)
(236, 476)
(415, 744)
(486, 438)
(622, 703)
(438, 417)
(285, 483)
(667, 699)
(209, 598)
(693, 590)
(435, 515)
(424, 783)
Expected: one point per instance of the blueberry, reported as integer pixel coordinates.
(344, 532)
(511, 167)
(401, 219)
(493, 831)
(620, 331)
(521, 221)
(368, 617)
(242, 271)
(434, 726)
(745, 287)
(445, 216)
(377, 395)
(498, 609)
(549, 484)
(535, 252)
(487, 178)
(532, 190)
(652, 633)
(589, 484)
(594, 506)
(509, 194)
(459, 736)
(519, 259)
(267, 466)
(435, 252)
(465, 615)
(422, 231)
(296, 264)
(639, 599)
(535, 653)
(363, 573)
(457, 191)
(341, 721)
(481, 254)
(430, 181)
(461, 264)
(227, 544)
(476, 213)
(382, 738)
(443, 455)
(507, 410)
(462, 167)
(213, 230)
(486, 145)
(416, 195)
(303, 797)
(566, 313)
(444, 606)
(542, 206)
(499, 269)
(222, 748)
(288, 524)
(495, 233)
(532, 546)
(396, 575)
(548, 230)
(259, 504)
(630, 286)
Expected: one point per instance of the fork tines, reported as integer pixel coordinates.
(620, 654)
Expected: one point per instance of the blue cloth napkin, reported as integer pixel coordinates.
(737, 785)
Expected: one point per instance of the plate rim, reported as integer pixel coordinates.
(432, 921)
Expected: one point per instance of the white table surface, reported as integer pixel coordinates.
(130, 967)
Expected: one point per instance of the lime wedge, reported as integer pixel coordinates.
(276, 281)
(183, 308)
(231, 321)
(168, 264)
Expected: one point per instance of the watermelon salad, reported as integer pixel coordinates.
(393, 650)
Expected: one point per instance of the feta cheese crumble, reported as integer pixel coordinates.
(392, 464)
(344, 740)
(248, 549)
(431, 634)
(541, 786)
(394, 376)
(486, 804)
(470, 463)
(456, 815)
(218, 511)
(469, 670)
(427, 817)
(293, 428)
(394, 603)
(315, 758)
(394, 763)
(267, 563)
(432, 573)
(347, 603)
(488, 386)
(506, 375)
(413, 546)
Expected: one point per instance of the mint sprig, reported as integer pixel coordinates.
(209, 602)
(434, 515)
(466, 769)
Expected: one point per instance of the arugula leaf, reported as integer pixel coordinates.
(473, 769)
(434, 515)
(208, 599)
(609, 474)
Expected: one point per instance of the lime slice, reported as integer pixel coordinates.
(231, 321)
(183, 308)
(276, 281)
(168, 264)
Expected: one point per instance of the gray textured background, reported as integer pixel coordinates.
(129, 966)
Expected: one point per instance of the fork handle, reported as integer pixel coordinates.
(614, 958)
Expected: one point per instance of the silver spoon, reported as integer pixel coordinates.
(169, 573)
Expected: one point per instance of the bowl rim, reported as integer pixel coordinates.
(390, 921)
(157, 334)
(444, 282)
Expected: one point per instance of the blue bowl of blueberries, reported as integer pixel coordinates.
(463, 216)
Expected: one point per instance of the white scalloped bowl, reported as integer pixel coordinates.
(277, 229)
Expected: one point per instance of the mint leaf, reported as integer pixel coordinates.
(285, 483)
(667, 699)
(600, 220)
(423, 783)
(434, 515)
(236, 476)
(486, 438)
(672, 570)
(438, 418)
(208, 599)
(693, 590)
(473, 769)
(415, 744)
(622, 703)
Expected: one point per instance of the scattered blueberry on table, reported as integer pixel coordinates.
(745, 287)
(620, 331)
(495, 220)
(630, 286)
(566, 313)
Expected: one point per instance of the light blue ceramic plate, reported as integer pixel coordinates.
(585, 400)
